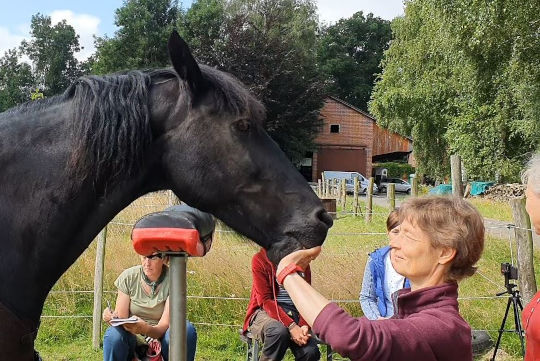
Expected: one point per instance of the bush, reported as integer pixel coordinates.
(396, 170)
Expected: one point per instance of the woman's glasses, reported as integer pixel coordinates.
(154, 256)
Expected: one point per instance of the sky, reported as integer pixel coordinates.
(90, 18)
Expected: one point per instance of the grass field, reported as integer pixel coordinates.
(491, 209)
(220, 283)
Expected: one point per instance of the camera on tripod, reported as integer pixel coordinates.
(510, 272)
(514, 300)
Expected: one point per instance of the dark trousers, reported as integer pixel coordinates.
(276, 339)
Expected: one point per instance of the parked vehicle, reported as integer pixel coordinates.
(349, 180)
(401, 185)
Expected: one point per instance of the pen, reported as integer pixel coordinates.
(110, 310)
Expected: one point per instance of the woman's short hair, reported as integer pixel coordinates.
(393, 220)
(531, 174)
(450, 222)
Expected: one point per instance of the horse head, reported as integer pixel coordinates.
(216, 156)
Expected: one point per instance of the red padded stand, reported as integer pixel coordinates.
(149, 240)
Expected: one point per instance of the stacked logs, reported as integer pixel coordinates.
(504, 192)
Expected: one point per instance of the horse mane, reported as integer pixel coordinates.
(110, 114)
(112, 121)
(111, 126)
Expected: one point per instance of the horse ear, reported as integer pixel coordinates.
(185, 65)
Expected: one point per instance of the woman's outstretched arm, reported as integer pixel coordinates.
(308, 301)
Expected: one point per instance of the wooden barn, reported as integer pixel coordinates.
(351, 140)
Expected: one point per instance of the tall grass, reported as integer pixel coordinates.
(224, 275)
(492, 209)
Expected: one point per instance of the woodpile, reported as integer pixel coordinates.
(505, 192)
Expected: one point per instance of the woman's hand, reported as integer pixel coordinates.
(140, 327)
(108, 315)
(302, 258)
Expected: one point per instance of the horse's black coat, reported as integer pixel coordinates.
(69, 164)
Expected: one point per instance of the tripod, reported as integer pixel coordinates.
(514, 299)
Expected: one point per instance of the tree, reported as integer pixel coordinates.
(141, 41)
(350, 53)
(203, 28)
(270, 46)
(51, 50)
(450, 80)
(16, 80)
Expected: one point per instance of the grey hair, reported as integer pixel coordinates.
(531, 174)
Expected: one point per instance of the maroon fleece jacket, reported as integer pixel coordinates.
(426, 327)
(265, 289)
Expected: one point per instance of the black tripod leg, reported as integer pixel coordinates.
(501, 330)
(517, 303)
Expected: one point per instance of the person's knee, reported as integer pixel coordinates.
(191, 333)
(311, 353)
(115, 335)
(276, 331)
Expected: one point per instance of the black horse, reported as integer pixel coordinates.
(70, 163)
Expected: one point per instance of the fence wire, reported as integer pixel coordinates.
(224, 275)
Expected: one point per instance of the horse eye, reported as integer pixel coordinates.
(242, 125)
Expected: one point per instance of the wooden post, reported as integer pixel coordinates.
(457, 185)
(98, 288)
(369, 200)
(355, 196)
(333, 187)
(343, 193)
(319, 188)
(414, 187)
(327, 189)
(527, 280)
(391, 195)
(323, 182)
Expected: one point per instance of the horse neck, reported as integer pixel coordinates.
(47, 219)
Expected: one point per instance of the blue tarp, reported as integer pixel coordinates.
(441, 189)
(478, 188)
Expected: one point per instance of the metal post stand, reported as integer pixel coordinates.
(177, 306)
(514, 301)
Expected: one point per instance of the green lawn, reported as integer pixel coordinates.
(491, 209)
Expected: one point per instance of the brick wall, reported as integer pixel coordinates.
(355, 132)
(358, 133)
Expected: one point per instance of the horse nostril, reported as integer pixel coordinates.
(324, 217)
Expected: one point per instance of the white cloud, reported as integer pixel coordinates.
(330, 11)
(85, 25)
(8, 40)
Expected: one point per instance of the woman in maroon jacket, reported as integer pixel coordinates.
(272, 317)
(439, 242)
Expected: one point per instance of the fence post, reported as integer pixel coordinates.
(343, 194)
(527, 280)
(457, 185)
(369, 200)
(323, 184)
(414, 187)
(98, 287)
(355, 196)
(327, 189)
(319, 188)
(391, 195)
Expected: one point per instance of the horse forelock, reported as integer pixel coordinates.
(230, 95)
(111, 126)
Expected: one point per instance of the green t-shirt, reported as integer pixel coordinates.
(146, 306)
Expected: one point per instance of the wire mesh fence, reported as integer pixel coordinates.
(219, 284)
